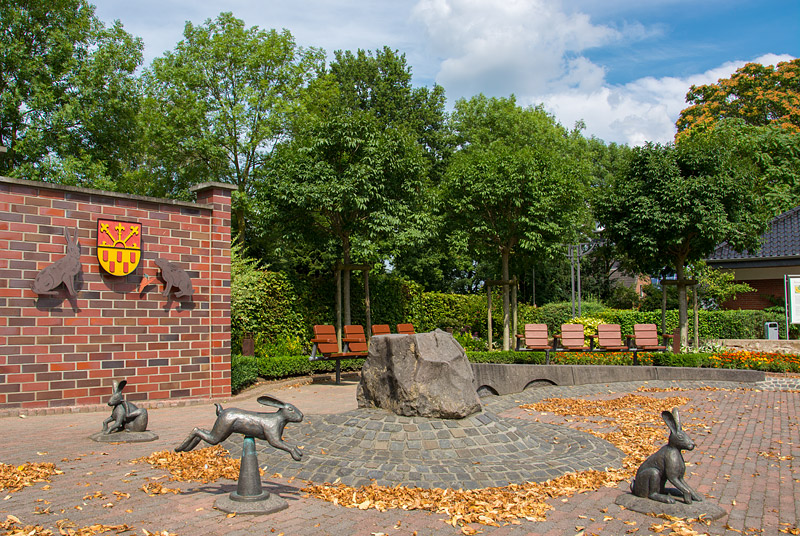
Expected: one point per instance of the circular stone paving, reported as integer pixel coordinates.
(484, 450)
(369, 445)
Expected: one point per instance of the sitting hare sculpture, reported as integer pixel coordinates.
(266, 426)
(666, 464)
(63, 270)
(125, 416)
(175, 278)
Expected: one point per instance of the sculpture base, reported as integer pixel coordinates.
(124, 437)
(679, 508)
(270, 505)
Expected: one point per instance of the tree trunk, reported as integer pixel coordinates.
(346, 279)
(683, 316)
(506, 288)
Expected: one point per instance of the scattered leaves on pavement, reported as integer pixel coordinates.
(14, 527)
(14, 478)
(155, 488)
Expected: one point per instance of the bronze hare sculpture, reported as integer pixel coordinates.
(63, 270)
(174, 278)
(266, 426)
(125, 416)
(666, 464)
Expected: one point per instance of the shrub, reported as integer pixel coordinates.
(272, 368)
(244, 372)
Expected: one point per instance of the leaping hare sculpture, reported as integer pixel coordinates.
(666, 464)
(266, 426)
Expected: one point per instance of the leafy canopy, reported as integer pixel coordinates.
(759, 95)
(68, 97)
(674, 204)
(219, 104)
(516, 180)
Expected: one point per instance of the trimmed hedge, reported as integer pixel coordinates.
(274, 368)
(244, 372)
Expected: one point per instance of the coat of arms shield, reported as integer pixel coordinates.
(119, 246)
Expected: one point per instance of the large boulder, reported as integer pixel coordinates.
(426, 374)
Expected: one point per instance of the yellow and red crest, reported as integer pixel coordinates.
(119, 246)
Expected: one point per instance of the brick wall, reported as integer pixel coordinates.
(59, 351)
(766, 293)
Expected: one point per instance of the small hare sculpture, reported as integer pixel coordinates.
(125, 416)
(666, 464)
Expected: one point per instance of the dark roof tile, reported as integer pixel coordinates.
(781, 240)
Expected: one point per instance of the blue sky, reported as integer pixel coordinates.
(621, 66)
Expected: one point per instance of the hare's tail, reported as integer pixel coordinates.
(219, 408)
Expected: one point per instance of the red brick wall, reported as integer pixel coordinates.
(60, 351)
(766, 293)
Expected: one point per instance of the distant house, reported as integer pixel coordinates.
(764, 270)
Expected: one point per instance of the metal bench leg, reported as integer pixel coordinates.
(635, 360)
(338, 372)
(547, 357)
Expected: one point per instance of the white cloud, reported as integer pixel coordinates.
(535, 50)
(510, 46)
(639, 111)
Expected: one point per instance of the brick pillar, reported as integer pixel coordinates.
(218, 196)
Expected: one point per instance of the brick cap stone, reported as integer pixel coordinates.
(92, 191)
(209, 185)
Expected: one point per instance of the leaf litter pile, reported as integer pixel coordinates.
(202, 465)
(14, 527)
(637, 431)
(16, 477)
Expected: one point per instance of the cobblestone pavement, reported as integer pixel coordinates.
(745, 462)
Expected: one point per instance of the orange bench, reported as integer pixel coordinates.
(406, 329)
(381, 329)
(324, 345)
(535, 338)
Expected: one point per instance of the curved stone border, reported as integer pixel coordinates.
(506, 379)
(364, 446)
(484, 450)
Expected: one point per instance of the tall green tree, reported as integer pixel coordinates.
(68, 96)
(359, 164)
(517, 182)
(218, 105)
(674, 204)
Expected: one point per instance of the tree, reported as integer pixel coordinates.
(68, 97)
(759, 95)
(218, 105)
(348, 178)
(351, 183)
(517, 181)
(674, 204)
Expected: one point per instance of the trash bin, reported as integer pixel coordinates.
(771, 331)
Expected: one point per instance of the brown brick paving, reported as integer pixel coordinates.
(747, 463)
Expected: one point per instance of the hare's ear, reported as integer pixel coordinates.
(267, 400)
(670, 420)
(677, 418)
(118, 387)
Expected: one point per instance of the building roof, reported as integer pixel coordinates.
(781, 241)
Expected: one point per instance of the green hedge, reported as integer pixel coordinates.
(244, 372)
(274, 368)
(733, 324)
